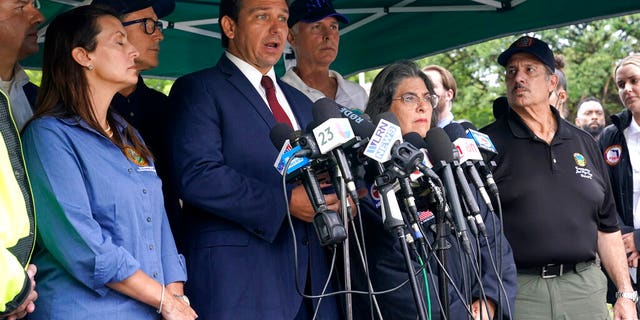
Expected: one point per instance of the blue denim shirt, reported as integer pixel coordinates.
(100, 218)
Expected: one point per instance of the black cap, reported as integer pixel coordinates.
(162, 8)
(312, 11)
(536, 47)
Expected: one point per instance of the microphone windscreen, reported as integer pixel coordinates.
(325, 109)
(415, 139)
(439, 145)
(455, 130)
(279, 134)
(389, 116)
(312, 125)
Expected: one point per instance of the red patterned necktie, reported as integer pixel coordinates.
(275, 106)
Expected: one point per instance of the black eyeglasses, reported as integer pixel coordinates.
(149, 24)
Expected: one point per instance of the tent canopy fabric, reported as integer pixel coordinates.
(381, 31)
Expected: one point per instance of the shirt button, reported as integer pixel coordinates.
(554, 161)
(155, 274)
(150, 247)
(305, 241)
(130, 170)
(148, 219)
(144, 191)
(132, 114)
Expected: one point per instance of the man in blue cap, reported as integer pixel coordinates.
(557, 203)
(144, 108)
(314, 35)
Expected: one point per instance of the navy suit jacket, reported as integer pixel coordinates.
(240, 253)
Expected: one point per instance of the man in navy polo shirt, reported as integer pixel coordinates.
(558, 209)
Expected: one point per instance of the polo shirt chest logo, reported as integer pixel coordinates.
(613, 154)
(581, 162)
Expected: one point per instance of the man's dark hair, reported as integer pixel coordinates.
(229, 8)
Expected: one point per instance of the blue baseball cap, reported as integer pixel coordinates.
(312, 11)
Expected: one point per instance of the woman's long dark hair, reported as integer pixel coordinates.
(64, 91)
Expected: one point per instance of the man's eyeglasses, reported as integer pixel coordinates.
(149, 24)
(412, 99)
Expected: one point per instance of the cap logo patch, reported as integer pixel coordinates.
(524, 42)
(613, 154)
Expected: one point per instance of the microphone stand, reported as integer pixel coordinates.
(392, 218)
(340, 188)
(443, 230)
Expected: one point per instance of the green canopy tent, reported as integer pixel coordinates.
(381, 31)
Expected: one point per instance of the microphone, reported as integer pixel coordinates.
(327, 223)
(467, 150)
(334, 132)
(383, 138)
(440, 150)
(488, 151)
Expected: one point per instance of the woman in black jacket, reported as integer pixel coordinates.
(620, 144)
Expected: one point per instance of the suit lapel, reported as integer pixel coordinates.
(244, 87)
(301, 109)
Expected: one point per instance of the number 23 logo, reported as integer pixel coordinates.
(326, 136)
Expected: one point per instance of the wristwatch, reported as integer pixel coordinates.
(632, 295)
(186, 299)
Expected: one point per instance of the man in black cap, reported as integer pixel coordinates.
(558, 209)
(314, 35)
(144, 108)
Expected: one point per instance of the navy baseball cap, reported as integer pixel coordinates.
(162, 8)
(312, 11)
(536, 47)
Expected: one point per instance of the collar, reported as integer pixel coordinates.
(20, 78)
(445, 121)
(121, 124)
(250, 72)
(633, 128)
(520, 130)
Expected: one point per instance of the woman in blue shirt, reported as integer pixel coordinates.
(105, 247)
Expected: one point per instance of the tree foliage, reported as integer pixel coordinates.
(591, 51)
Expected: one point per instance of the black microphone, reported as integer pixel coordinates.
(327, 223)
(440, 151)
(417, 141)
(323, 110)
(488, 151)
(362, 126)
(462, 144)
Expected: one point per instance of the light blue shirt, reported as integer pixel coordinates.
(100, 218)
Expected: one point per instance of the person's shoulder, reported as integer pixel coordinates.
(607, 135)
(492, 127)
(200, 74)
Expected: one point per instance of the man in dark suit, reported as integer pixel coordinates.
(240, 248)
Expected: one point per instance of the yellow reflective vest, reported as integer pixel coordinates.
(17, 218)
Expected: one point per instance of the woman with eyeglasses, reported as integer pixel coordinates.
(404, 90)
(105, 250)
